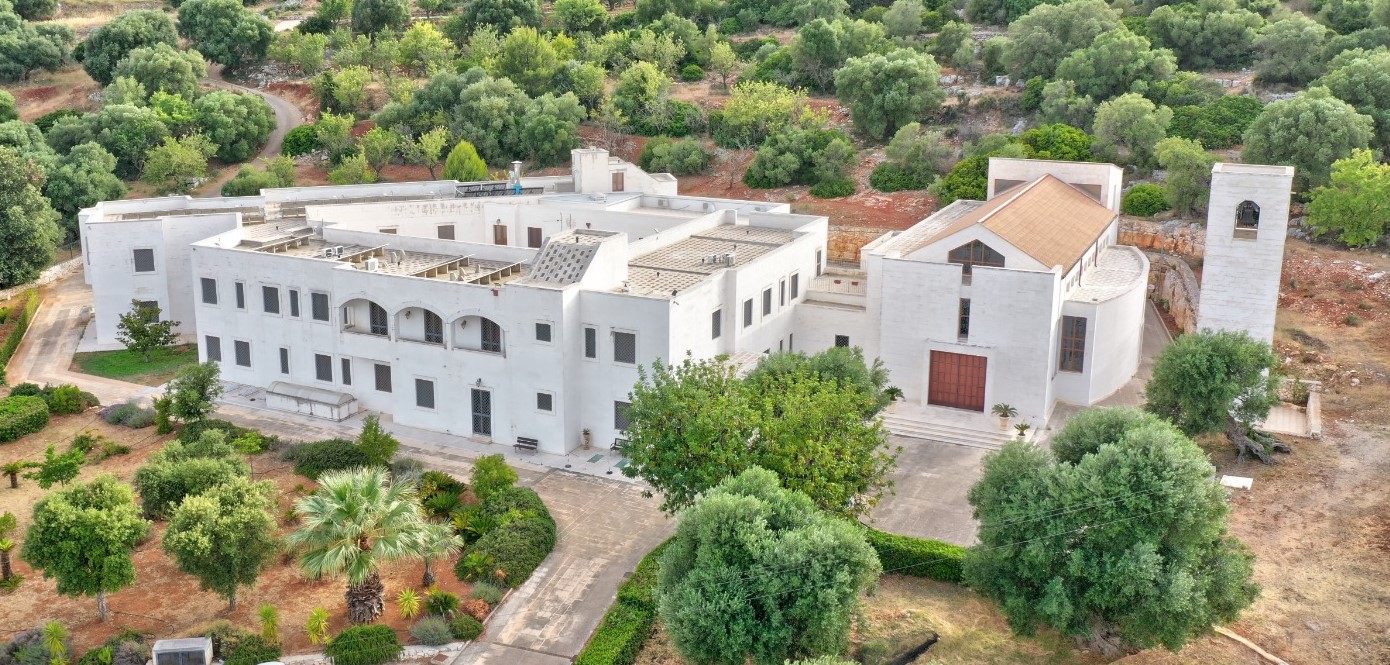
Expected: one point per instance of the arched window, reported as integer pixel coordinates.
(975, 253)
(434, 328)
(378, 318)
(491, 336)
(1247, 219)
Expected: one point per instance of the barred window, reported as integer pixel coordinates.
(209, 290)
(542, 332)
(842, 341)
(624, 347)
(424, 393)
(590, 342)
(383, 377)
(284, 360)
(747, 312)
(716, 320)
(620, 421)
(347, 371)
(545, 401)
(240, 295)
(963, 320)
(767, 301)
(378, 318)
(243, 353)
(144, 260)
(318, 306)
(294, 302)
(1072, 356)
(492, 336)
(323, 367)
(213, 347)
(796, 282)
(271, 297)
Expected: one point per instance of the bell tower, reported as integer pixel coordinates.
(1247, 223)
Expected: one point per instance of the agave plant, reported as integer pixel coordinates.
(356, 520)
(408, 602)
(316, 626)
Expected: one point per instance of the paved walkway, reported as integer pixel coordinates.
(930, 483)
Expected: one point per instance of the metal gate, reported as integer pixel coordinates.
(482, 412)
(957, 381)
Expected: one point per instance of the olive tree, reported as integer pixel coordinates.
(885, 92)
(756, 572)
(1363, 81)
(82, 178)
(1308, 132)
(164, 68)
(1353, 205)
(224, 536)
(1188, 168)
(237, 123)
(1128, 127)
(1213, 34)
(29, 231)
(1113, 63)
(224, 32)
(1290, 50)
(110, 43)
(1047, 34)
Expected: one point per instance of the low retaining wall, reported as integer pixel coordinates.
(844, 242)
(50, 275)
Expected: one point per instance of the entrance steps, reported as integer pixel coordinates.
(923, 426)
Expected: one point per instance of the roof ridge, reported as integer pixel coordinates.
(1012, 195)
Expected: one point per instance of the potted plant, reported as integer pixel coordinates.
(1005, 412)
(588, 438)
(894, 393)
(1022, 429)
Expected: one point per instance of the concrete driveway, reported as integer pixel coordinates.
(930, 485)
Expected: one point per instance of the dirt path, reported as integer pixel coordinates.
(287, 117)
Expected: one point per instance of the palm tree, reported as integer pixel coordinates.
(356, 520)
(8, 522)
(440, 541)
(13, 469)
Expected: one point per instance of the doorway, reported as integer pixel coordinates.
(957, 380)
(482, 412)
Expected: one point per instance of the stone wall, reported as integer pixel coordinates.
(845, 241)
(1172, 237)
(50, 274)
(1175, 289)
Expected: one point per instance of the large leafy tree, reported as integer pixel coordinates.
(225, 32)
(488, 115)
(28, 47)
(1048, 33)
(354, 522)
(141, 330)
(1113, 63)
(501, 14)
(1290, 50)
(1188, 168)
(1212, 34)
(83, 537)
(1124, 544)
(1308, 132)
(194, 391)
(164, 68)
(1128, 127)
(1355, 204)
(181, 470)
(550, 128)
(1364, 82)
(178, 164)
(224, 536)
(576, 16)
(821, 47)
(1217, 124)
(528, 59)
(424, 49)
(29, 231)
(754, 110)
(692, 425)
(641, 92)
(756, 572)
(109, 44)
(57, 468)
(238, 124)
(128, 132)
(1058, 141)
(1219, 381)
(372, 16)
(885, 92)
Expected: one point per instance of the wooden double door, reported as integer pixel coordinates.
(957, 380)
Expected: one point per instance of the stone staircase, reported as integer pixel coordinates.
(920, 426)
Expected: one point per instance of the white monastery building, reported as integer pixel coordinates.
(521, 311)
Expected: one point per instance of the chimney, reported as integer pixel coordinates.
(514, 180)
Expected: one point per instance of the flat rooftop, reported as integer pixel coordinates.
(388, 261)
(685, 263)
(1117, 271)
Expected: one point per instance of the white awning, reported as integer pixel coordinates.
(309, 393)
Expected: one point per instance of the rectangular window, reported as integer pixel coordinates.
(271, 297)
(284, 360)
(963, 322)
(624, 347)
(542, 332)
(842, 341)
(243, 353)
(323, 367)
(240, 295)
(144, 260)
(213, 347)
(767, 301)
(424, 393)
(620, 421)
(389, 229)
(715, 321)
(782, 293)
(209, 290)
(545, 402)
(1073, 351)
(446, 231)
(318, 306)
(383, 377)
(591, 342)
(294, 302)
(492, 336)
(818, 260)
(747, 312)
(796, 285)
(151, 305)
(347, 371)
(533, 236)
(499, 235)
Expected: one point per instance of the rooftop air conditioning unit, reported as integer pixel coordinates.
(327, 253)
(338, 251)
(373, 265)
(187, 651)
(729, 259)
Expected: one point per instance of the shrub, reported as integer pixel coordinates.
(162, 484)
(313, 459)
(488, 593)
(97, 656)
(692, 73)
(662, 155)
(517, 548)
(224, 637)
(301, 140)
(442, 603)
(364, 645)
(407, 469)
(917, 557)
(194, 430)
(833, 189)
(1144, 200)
(21, 415)
(491, 475)
(628, 623)
(894, 177)
(250, 443)
(515, 501)
(47, 120)
(26, 390)
(465, 627)
(85, 442)
(475, 608)
(252, 650)
(16, 334)
(65, 399)
(131, 415)
(430, 631)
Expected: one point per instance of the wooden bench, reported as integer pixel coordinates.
(526, 444)
(618, 444)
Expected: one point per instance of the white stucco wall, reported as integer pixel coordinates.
(1241, 275)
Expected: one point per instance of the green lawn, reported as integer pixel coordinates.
(129, 366)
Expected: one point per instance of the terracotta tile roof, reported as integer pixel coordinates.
(1046, 219)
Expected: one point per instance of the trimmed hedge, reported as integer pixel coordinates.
(22, 415)
(364, 645)
(628, 623)
(16, 333)
(917, 557)
(252, 650)
(316, 458)
(522, 539)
